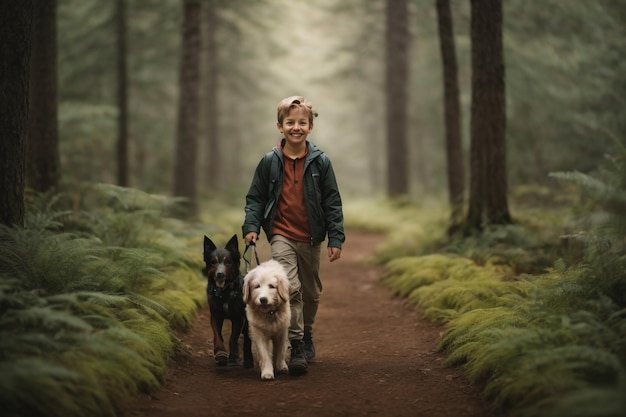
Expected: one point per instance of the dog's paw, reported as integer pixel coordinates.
(267, 373)
(282, 367)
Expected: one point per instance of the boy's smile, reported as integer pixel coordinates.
(295, 127)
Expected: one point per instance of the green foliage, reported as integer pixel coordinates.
(548, 343)
(545, 358)
(515, 246)
(445, 300)
(411, 227)
(87, 53)
(565, 62)
(607, 190)
(89, 298)
(528, 341)
(406, 274)
(87, 93)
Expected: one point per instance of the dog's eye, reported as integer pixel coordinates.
(272, 286)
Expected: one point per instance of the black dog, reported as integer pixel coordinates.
(225, 295)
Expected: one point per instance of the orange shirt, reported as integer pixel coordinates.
(291, 219)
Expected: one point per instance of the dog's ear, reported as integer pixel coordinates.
(233, 244)
(246, 286)
(283, 287)
(209, 246)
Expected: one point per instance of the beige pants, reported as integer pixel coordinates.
(302, 262)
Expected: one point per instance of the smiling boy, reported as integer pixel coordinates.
(294, 197)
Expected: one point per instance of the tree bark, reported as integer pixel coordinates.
(122, 95)
(452, 115)
(43, 162)
(187, 131)
(488, 183)
(15, 31)
(397, 64)
(213, 151)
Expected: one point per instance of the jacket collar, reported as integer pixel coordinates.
(312, 151)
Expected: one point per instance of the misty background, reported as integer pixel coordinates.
(563, 73)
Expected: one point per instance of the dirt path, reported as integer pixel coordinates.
(375, 357)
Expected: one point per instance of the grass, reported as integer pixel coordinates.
(90, 297)
(91, 291)
(536, 321)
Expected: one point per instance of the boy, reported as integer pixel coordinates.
(295, 199)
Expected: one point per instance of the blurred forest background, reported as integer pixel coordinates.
(564, 74)
(120, 108)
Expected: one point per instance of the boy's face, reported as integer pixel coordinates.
(296, 127)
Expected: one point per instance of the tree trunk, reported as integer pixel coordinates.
(452, 112)
(122, 95)
(397, 63)
(42, 146)
(189, 78)
(213, 152)
(16, 19)
(488, 182)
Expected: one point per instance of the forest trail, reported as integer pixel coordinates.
(375, 357)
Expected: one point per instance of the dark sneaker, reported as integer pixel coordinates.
(309, 347)
(297, 363)
(221, 357)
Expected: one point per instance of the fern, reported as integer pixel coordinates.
(88, 301)
(44, 319)
(583, 402)
(459, 297)
(563, 369)
(608, 191)
(405, 274)
(461, 341)
(56, 388)
(28, 343)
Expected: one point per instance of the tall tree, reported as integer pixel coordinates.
(43, 163)
(212, 148)
(488, 177)
(16, 19)
(452, 114)
(122, 94)
(187, 131)
(397, 65)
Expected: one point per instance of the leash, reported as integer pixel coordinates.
(256, 256)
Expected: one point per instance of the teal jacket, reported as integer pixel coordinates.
(321, 194)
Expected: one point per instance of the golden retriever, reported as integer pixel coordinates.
(266, 294)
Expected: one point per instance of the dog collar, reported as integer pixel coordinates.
(227, 290)
(273, 312)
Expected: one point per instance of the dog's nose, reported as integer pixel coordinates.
(219, 275)
(263, 300)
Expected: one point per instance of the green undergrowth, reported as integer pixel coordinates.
(408, 226)
(541, 345)
(535, 312)
(91, 291)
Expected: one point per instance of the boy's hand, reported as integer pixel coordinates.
(251, 238)
(333, 254)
